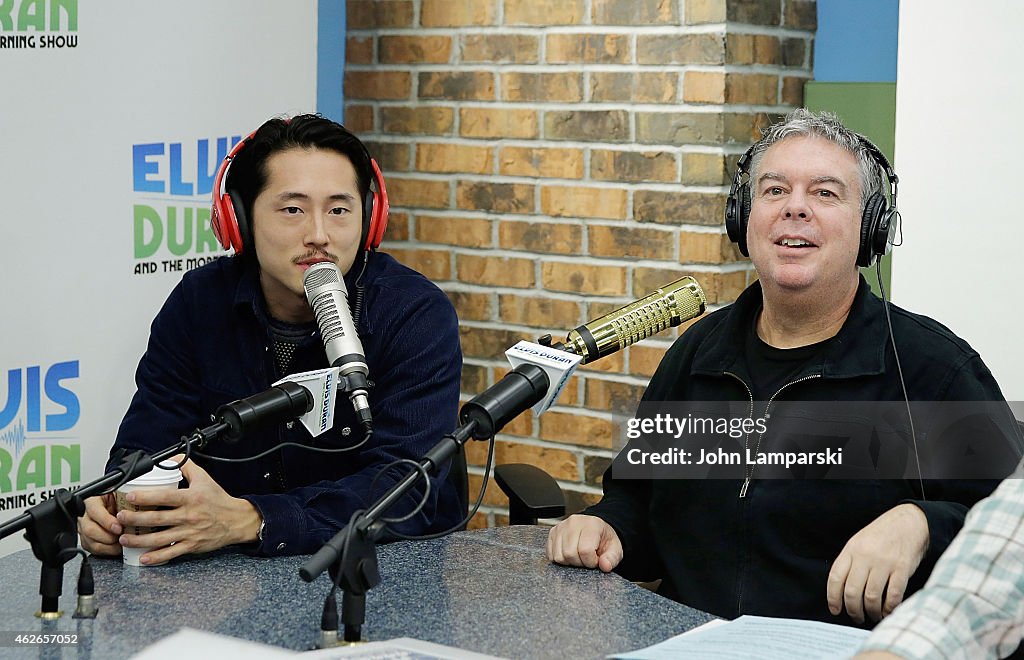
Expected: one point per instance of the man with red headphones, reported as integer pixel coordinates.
(295, 193)
(809, 208)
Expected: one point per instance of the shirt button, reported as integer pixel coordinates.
(289, 425)
(281, 546)
(346, 431)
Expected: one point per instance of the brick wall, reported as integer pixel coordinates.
(548, 162)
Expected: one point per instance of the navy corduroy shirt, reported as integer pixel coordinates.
(211, 344)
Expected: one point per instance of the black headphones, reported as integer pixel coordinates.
(877, 224)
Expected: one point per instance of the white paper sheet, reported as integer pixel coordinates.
(756, 636)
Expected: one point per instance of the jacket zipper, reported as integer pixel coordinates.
(741, 559)
(767, 416)
(750, 468)
(746, 440)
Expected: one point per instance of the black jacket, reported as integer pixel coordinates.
(211, 344)
(769, 552)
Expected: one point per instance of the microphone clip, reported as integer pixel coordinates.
(323, 385)
(547, 342)
(354, 382)
(558, 364)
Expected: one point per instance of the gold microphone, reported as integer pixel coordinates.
(669, 306)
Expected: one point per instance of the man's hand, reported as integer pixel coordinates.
(878, 559)
(98, 528)
(200, 518)
(588, 541)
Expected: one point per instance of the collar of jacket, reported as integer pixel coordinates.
(857, 350)
(248, 294)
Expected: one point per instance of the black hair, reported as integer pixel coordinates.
(248, 174)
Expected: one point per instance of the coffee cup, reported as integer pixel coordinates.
(154, 479)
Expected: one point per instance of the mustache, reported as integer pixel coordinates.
(316, 254)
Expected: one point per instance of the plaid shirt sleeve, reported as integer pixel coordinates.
(973, 604)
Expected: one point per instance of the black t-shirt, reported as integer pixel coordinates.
(286, 337)
(771, 368)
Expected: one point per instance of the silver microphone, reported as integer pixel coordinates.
(328, 296)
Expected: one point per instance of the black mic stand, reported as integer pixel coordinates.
(50, 526)
(351, 555)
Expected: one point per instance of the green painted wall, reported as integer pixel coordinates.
(870, 109)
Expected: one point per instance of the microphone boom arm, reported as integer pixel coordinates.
(50, 526)
(351, 555)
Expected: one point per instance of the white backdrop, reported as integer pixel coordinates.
(91, 132)
(959, 146)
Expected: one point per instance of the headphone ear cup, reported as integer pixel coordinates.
(369, 204)
(379, 221)
(243, 231)
(227, 216)
(737, 204)
(886, 232)
(744, 218)
(732, 215)
(224, 222)
(737, 211)
(874, 230)
(217, 222)
(376, 208)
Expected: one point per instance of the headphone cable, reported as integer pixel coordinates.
(899, 371)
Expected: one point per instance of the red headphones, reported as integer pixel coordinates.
(232, 228)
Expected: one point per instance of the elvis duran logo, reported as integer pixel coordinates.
(38, 24)
(173, 186)
(37, 422)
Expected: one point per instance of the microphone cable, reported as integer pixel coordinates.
(472, 512)
(125, 477)
(85, 588)
(426, 495)
(136, 457)
(357, 305)
(281, 445)
(329, 614)
(426, 491)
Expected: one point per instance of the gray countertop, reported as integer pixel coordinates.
(490, 591)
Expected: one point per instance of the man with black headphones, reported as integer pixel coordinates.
(295, 193)
(808, 206)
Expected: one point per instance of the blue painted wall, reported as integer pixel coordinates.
(856, 41)
(330, 59)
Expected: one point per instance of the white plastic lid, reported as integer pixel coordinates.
(158, 476)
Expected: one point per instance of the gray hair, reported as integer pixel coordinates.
(804, 123)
